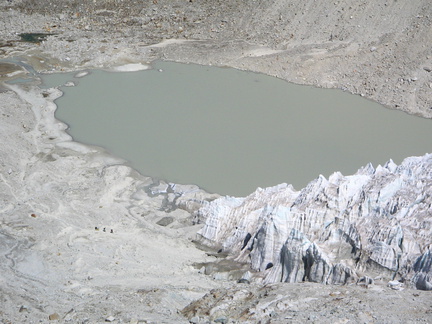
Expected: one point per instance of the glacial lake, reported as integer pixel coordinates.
(230, 131)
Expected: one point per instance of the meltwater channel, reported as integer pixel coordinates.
(230, 131)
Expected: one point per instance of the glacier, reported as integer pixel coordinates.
(373, 225)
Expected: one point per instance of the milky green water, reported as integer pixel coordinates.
(230, 131)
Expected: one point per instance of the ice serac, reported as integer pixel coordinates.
(375, 223)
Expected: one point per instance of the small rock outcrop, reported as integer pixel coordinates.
(375, 224)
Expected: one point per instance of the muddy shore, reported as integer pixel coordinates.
(60, 199)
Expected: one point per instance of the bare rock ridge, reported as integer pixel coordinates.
(373, 224)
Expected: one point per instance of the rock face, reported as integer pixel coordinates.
(375, 223)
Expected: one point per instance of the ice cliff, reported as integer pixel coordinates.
(373, 224)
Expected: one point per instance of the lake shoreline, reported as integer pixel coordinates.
(208, 126)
